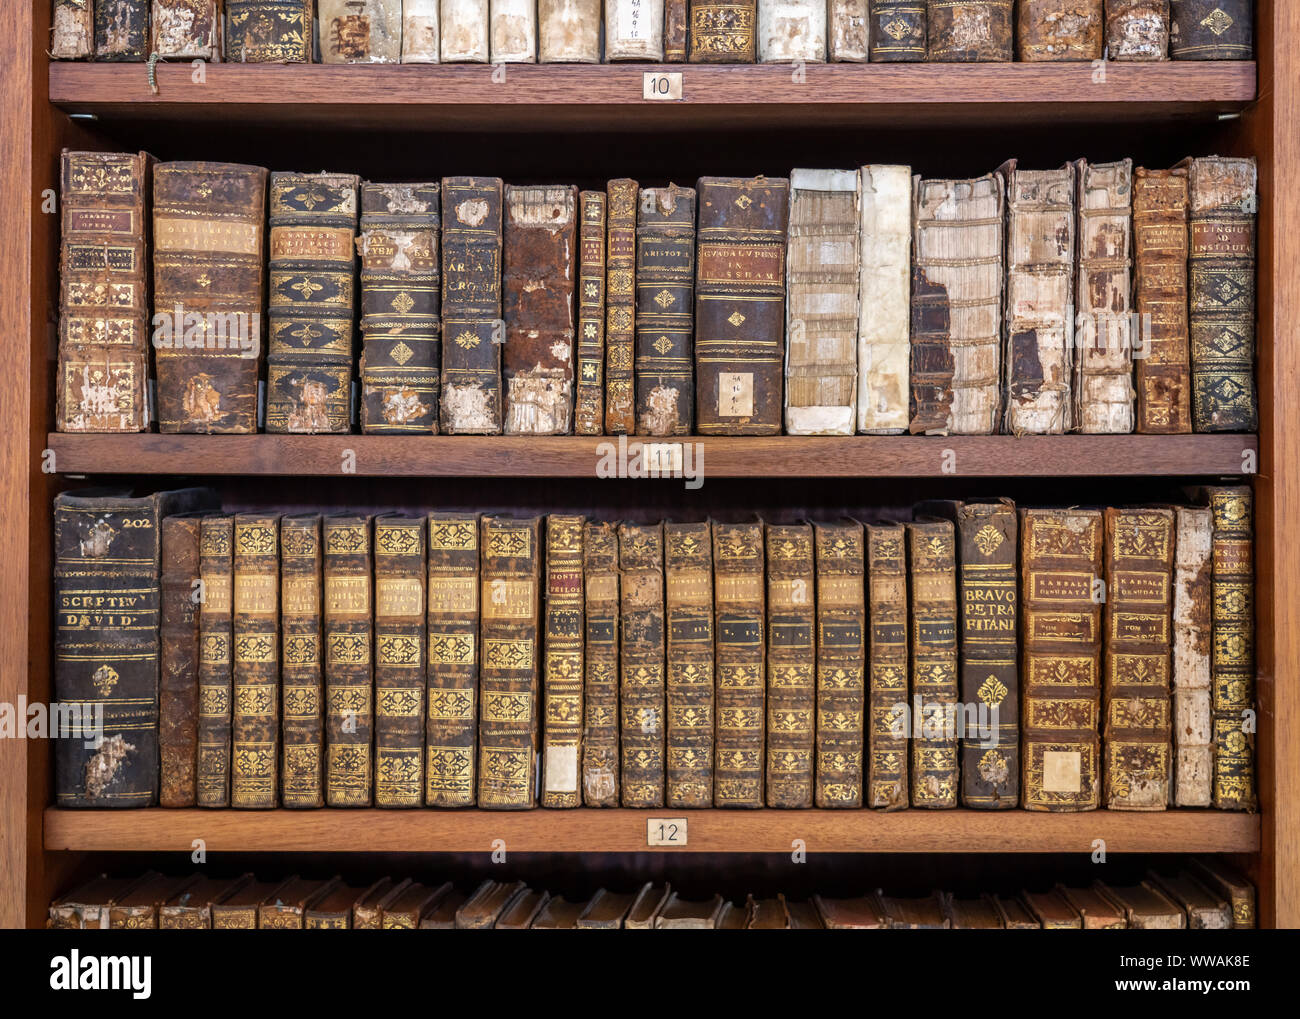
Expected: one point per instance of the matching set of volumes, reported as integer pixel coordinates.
(1091, 298)
(1050, 659)
(674, 31)
(1203, 894)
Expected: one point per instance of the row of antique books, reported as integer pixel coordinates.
(1050, 659)
(1203, 894)
(698, 31)
(1090, 298)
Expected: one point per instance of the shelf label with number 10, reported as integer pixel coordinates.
(665, 831)
(661, 85)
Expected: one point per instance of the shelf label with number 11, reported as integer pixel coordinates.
(665, 831)
(661, 85)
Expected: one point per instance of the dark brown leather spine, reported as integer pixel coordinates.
(302, 688)
(178, 685)
(349, 661)
(1160, 245)
(841, 662)
(600, 756)
(969, 31)
(887, 771)
(589, 409)
(562, 681)
(620, 298)
(641, 645)
(255, 715)
(932, 567)
(723, 31)
(1212, 30)
(665, 284)
(791, 665)
(400, 579)
(1137, 30)
(688, 586)
(898, 31)
(216, 638)
(1058, 30)
(121, 30)
(269, 31)
(740, 619)
(676, 18)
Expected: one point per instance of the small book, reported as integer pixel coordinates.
(970, 32)
(841, 663)
(442, 915)
(1222, 880)
(884, 298)
(523, 911)
(138, 909)
(562, 680)
(464, 28)
(620, 303)
(804, 917)
(607, 909)
(1137, 30)
(407, 910)
(86, 906)
(1206, 910)
(767, 914)
(368, 911)
(360, 31)
(1056, 30)
(887, 783)
(1145, 907)
(898, 30)
(740, 617)
(349, 661)
(191, 907)
(600, 726)
(1052, 911)
(684, 914)
(1212, 30)
(72, 34)
(791, 665)
(1097, 911)
(732, 918)
(489, 901)
(650, 900)
(186, 29)
(569, 31)
(1192, 628)
(269, 31)
(723, 31)
(121, 30)
(287, 909)
(676, 19)
(559, 914)
(255, 709)
(791, 30)
(864, 913)
(216, 636)
(178, 683)
(1016, 915)
(589, 398)
(980, 913)
(641, 647)
(333, 911)
(239, 910)
(634, 30)
(302, 676)
(421, 42)
(512, 31)
(915, 914)
(688, 597)
(665, 305)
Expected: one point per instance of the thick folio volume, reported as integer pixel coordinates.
(1060, 30)
(791, 665)
(887, 676)
(884, 299)
(739, 614)
(178, 684)
(621, 298)
(255, 710)
(512, 31)
(600, 756)
(186, 29)
(1212, 29)
(970, 31)
(841, 658)
(400, 580)
(360, 31)
(420, 36)
(216, 637)
(569, 31)
(589, 398)
(665, 285)
(269, 31)
(634, 30)
(121, 30)
(932, 565)
(464, 26)
(792, 30)
(688, 595)
(349, 661)
(562, 680)
(898, 31)
(641, 686)
(302, 676)
(1137, 30)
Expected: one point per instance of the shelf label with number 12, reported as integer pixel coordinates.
(661, 85)
(665, 831)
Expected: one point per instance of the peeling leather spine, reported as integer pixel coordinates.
(360, 31)
(1137, 30)
(791, 30)
(1060, 30)
(970, 31)
(186, 29)
(73, 30)
(898, 31)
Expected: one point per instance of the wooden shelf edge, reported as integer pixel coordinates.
(624, 831)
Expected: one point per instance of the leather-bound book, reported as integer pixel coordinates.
(1206, 910)
(562, 680)
(822, 259)
(178, 684)
(1192, 629)
(650, 900)
(368, 911)
(1212, 30)
(86, 906)
(791, 30)
(1058, 30)
(848, 32)
(915, 914)
(107, 595)
(1221, 879)
(511, 642)
(442, 915)
(208, 271)
(216, 659)
(1139, 587)
(864, 913)
(665, 283)
(767, 914)
(804, 916)
(887, 670)
(401, 297)
(73, 30)
(634, 30)
(1097, 911)
(589, 397)
(676, 21)
(472, 327)
(620, 307)
(287, 908)
(1233, 643)
(420, 38)
(957, 305)
(186, 29)
(255, 714)
(1103, 368)
(732, 918)
(1037, 354)
(333, 911)
(1224, 206)
(269, 31)
(238, 911)
(1015, 915)
(791, 665)
(932, 568)
(360, 31)
(103, 293)
(400, 579)
(302, 687)
(349, 661)
(607, 909)
(841, 663)
(451, 734)
(523, 911)
(191, 908)
(977, 914)
(898, 31)
(688, 595)
(1052, 911)
(1137, 30)
(408, 909)
(540, 270)
(559, 914)
(121, 30)
(739, 313)
(568, 31)
(312, 302)
(641, 649)
(1160, 245)
(884, 302)
(600, 726)
(512, 31)
(1145, 907)
(684, 914)
(138, 909)
(968, 31)
(739, 618)
(1061, 561)
(723, 31)
(489, 901)
(464, 31)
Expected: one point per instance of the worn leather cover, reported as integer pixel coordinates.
(269, 31)
(978, 914)
(138, 909)
(676, 21)
(216, 659)
(620, 290)
(600, 726)
(512, 31)
(723, 31)
(287, 908)
(73, 30)
(641, 645)
(464, 31)
(607, 909)
(1145, 907)
(302, 691)
(898, 31)
(1212, 30)
(368, 911)
(732, 918)
(665, 283)
(848, 31)
(804, 916)
(523, 911)
(589, 398)
(511, 642)
(688, 595)
(559, 914)
(1061, 560)
(451, 736)
(634, 30)
(791, 30)
(649, 901)
(103, 293)
(685, 914)
(1224, 205)
(178, 684)
(407, 910)
(359, 31)
(841, 663)
(562, 680)
(442, 915)
(400, 579)
(86, 906)
(1037, 352)
(887, 751)
(186, 29)
(965, 31)
(191, 907)
(255, 714)
(740, 617)
(1097, 911)
(239, 910)
(472, 327)
(349, 661)
(1015, 915)
(401, 298)
(915, 914)
(1205, 910)
(1052, 911)
(334, 910)
(569, 31)
(791, 665)
(766, 914)
(1192, 630)
(884, 305)
(121, 30)
(932, 569)
(1139, 604)
(1221, 879)
(1160, 242)
(957, 305)
(739, 311)
(1137, 30)
(541, 234)
(822, 280)
(489, 901)
(1060, 30)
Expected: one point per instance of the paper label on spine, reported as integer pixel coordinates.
(1062, 771)
(561, 769)
(735, 394)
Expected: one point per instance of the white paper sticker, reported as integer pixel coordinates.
(665, 831)
(661, 85)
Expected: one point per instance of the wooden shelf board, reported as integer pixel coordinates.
(619, 831)
(609, 96)
(890, 456)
